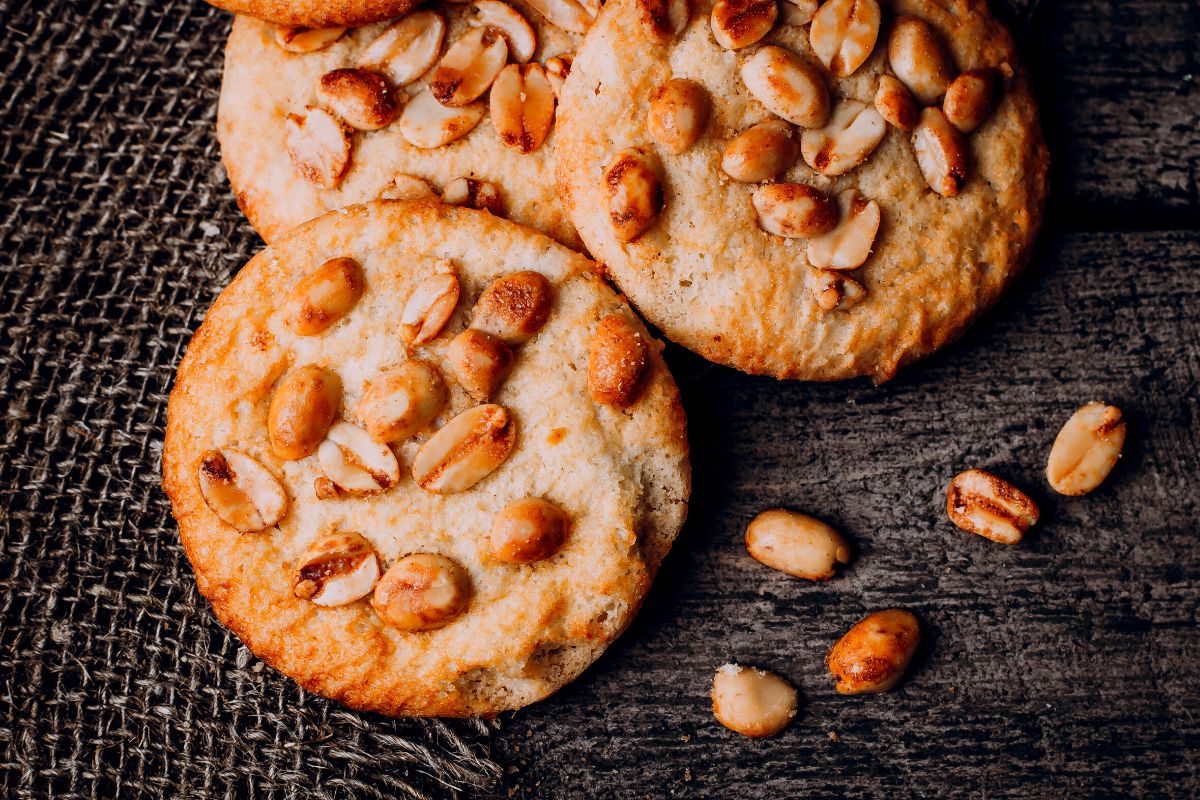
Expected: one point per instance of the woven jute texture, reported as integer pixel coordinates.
(118, 231)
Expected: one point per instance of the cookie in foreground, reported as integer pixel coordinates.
(455, 99)
(317, 13)
(413, 465)
(863, 179)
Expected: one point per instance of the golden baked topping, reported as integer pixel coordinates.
(324, 296)
(479, 361)
(835, 291)
(787, 85)
(430, 306)
(407, 48)
(304, 405)
(566, 14)
(761, 152)
(514, 306)
(517, 31)
(240, 490)
(941, 153)
(466, 450)
(793, 210)
(662, 20)
(427, 123)
(797, 544)
(557, 70)
(895, 103)
(740, 23)
(522, 105)
(407, 187)
(919, 60)
(528, 530)
(357, 463)
(318, 145)
(336, 569)
(402, 400)
(980, 502)
(296, 39)
(971, 98)
(360, 98)
(874, 654)
(616, 362)
(678, 114)
(797, 12)
(843, 34)
(853, 133)
(634, 192)
(752, 702)
(421, 592)
(1086, 449)
(469, 67)
(473, 193)
(849, 244)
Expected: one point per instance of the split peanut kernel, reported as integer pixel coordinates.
(895, 103)
(421, 592)
(407, 187)
(303, 407)
(430, 306)
(557, 70)
(360, 98)
(662, 20)
(874, 654)
(240, 490)
(851, 135)
(528, 530)
(469, 67)
(836, 291)
(797, 544)
(318, 145)
(401, 401)
(843, 34)
(849, 244)
(793, 210)
(616, 362)
(797, 12)
(479, 361)
(633, 189)
(427, 123)
(466, 450)
(752, 702)
(740, 23)
(979, 502)
(517, 31)
(787, 85)
(514, 307)
(295, 39)
(678, 114)
(473, 193)
(761, 152)
(522, 105)
(971, 98)
(336, 569)
(407, 48)
(355, 462)
(919, 60)
(1086, 449)
(324, 296)
(566, 14)
(941, 153)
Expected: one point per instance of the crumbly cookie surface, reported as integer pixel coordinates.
(263, 84)
(711, 278)
(317, 13)
(620, 475)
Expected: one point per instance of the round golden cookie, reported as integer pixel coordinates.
(319, 434)
(725, 267)
(318, 13)
(287, 120)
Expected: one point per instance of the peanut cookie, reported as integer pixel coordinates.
(424, 460)
(804, 191)
(318, 13)
(456, 100)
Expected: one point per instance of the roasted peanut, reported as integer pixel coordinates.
(979, 502)
(407, 187)
(336, 569)
(357, 463)
(800, 545)
(678, 114)
(324, 296)
(421, 592)
(752, 702)
(401, 401)
(941, 153)
(1086, 449)
(473, 193)
(528, 530)
(558, 68)
(469, 67)
(843, 34)
(522, 104)
(849, 244)
(517, 31)
(466, 450)
(895, 103)
(761, 152)
(296, 39)
(479, 361)
(363, 100)
(787, 85)
(739, 23)
(427, 123)
(874, 654)
(633, 189)
(304, 405)
(919, 60)
(240, 490)
(430, 306)
(514, 306)
(836, 291)
(797, 12)
(793, 210)
(616, 362)
(852, 134)
(407, 48)
(662, 20)
(318, 145)
(971, 97)
(566, 14)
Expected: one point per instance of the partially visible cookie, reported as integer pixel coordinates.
(424, 460)
(801, 191)
(455, 100)
(318, 13)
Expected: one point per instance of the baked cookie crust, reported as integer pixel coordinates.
(712, 279)
(621, 475)
(318, 13)
(263, 85)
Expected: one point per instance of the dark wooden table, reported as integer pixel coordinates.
(1066, 666)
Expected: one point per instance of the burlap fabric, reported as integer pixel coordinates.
(118, 231)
